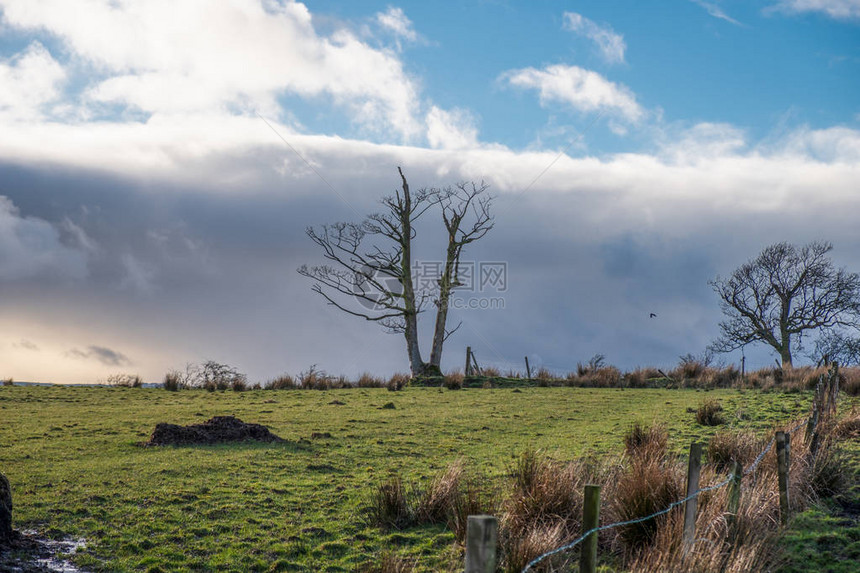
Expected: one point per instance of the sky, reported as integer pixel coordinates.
(160, 161)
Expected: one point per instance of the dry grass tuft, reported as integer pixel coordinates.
(282, 382)
(649, 484)
(532, 542)
(368, 380)
(438, 501)
(398, 381)
(646, 440)
(710, 413)
(454, 380)
(851, 381)
(389, 506)
(728, 446)
(544, 376)
(848, 428)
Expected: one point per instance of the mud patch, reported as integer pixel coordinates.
(216, 430)
(30, 553)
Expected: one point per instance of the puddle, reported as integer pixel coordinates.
(45, 555)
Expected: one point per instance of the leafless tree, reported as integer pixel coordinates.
(783, 294)
(370, 269)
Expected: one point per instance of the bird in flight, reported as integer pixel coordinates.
(653, 315)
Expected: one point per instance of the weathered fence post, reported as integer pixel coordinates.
(468, 369)
(734, 501)
(743, 367)
(783, 440)
(528, 370)
(590, 520)
(482, 537)
(690, 506)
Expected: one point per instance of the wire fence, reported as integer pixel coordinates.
(671, 506)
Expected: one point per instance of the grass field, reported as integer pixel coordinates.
(73, 457)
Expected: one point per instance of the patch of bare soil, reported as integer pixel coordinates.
(27, 552)
(216, 430)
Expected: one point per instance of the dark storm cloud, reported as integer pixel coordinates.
(106, 356)
(193, 273)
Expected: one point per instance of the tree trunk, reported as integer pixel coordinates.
(785, 354)
(410, 317)
(446, 283)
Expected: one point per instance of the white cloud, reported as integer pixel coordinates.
(30, 80)
(454, 129)
(610, 44)
(715, 11)
(395, 20)
(839, 9)
(31, 247)
(169, 56)
(579, 88)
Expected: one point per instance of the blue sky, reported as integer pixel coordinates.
(149, 217)
(763, 70)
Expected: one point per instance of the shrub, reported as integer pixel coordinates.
(8, 382)
(213, 376)
(282, 382)
(690, 368)
(596, 362)
(491, 372)
(367, 380)
(124, 380)
(544, 376)
(313, 379)
(710, 413)
(646, 440)
(172, 381)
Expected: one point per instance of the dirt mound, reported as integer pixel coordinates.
(216, 430)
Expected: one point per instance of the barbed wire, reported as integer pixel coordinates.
(671, 506)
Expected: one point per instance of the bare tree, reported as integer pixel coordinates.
(782, 294)
(371, 262)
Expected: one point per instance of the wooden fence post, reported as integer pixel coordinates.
(482, 537)
(734, 501)
(690, 506)
(782, 464)
(528, 370)
(468, 369)
(590, 520)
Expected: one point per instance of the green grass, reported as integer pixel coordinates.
(76, 468)
(826, 537)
